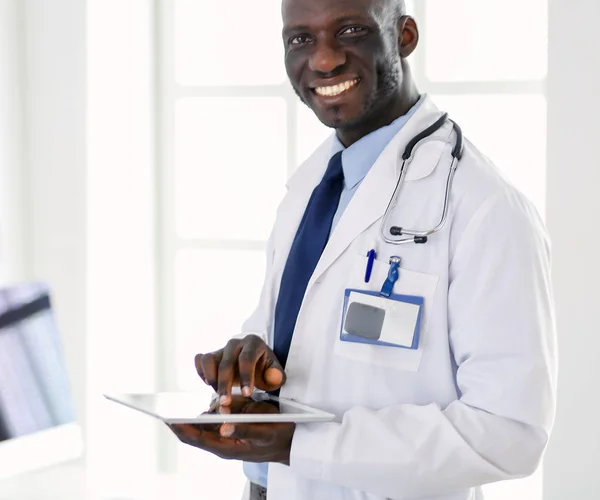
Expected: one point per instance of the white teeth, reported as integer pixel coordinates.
(335, 90)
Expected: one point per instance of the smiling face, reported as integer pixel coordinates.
(344, 59)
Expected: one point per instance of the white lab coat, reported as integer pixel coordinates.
(475, 403)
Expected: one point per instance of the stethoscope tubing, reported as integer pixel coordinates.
(416, 236)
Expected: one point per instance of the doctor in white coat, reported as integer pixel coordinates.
(472, 402)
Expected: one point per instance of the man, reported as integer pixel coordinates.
(472, 400)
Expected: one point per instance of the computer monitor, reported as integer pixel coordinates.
(38, 425)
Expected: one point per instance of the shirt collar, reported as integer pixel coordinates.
(358, 159)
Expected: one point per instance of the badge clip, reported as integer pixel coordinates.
(393, 275)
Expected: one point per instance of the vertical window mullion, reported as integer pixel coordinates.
(418, 62)
(166, 453)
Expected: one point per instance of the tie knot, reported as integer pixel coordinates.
(334, 169)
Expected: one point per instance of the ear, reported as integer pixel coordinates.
(408, 36)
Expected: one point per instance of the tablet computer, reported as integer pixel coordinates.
(195, 408)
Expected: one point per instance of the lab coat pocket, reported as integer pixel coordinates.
(409, 283)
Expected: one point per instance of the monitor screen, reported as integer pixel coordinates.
(35, 396)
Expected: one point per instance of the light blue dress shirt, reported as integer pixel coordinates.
(357, 160)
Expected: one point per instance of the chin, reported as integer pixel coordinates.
(336, 116)
(340, 115)
(343, 120)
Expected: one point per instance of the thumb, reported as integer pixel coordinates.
(274, 374)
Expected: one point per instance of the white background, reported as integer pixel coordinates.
(99, 194)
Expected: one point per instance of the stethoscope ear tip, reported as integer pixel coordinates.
(397, 231)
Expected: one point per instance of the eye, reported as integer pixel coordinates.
(299, 40)
(352, 31)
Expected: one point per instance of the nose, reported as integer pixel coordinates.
(326, 58)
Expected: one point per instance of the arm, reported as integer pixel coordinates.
(501, 330)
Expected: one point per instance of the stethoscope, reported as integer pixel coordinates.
(414, 236)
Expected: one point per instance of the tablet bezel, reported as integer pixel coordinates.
(312, 415)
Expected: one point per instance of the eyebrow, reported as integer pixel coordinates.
(294, 29)
(352, 17)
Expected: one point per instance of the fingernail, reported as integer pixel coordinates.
(246, 391)
(227, 430)
(223, 400)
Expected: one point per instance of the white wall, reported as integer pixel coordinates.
(122, 312)
(573, 211)
(65, 195)
(13, 213)
(53, 59)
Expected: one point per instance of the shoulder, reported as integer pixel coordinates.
(485, 201)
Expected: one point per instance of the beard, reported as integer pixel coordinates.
(388, 82)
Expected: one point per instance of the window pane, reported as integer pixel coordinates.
(511, 131)
(231, 166)
(311, 133)
(215, 291)
(211, 477)
(228, 43)
(486, 40)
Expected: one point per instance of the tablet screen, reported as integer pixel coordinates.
(181, 407)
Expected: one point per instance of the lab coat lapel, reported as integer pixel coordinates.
(289, 214)
(366, 207)
(371, 200)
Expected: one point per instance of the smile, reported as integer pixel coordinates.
(335, 90)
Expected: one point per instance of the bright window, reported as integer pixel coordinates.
(483, 41)
(216, 43)
(221, 139)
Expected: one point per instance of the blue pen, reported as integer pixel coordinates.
(371, 255)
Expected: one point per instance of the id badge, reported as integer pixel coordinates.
(382, 318)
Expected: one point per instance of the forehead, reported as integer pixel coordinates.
(311, 12)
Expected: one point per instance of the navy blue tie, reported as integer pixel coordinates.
(308, 245)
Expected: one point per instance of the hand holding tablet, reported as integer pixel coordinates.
(251, 442)
(251, 426)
